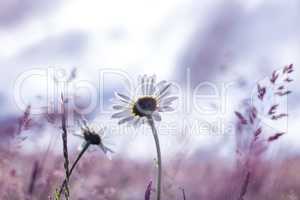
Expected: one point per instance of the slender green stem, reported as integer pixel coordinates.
(86, 146)
(159, 173)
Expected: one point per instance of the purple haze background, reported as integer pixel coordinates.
(217, 41)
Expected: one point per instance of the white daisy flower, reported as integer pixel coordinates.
(151, 99)
(92, 136)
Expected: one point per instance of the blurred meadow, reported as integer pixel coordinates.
(232, 134)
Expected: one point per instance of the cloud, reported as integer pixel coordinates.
(67, 47)
(13, 12)
(236, 36)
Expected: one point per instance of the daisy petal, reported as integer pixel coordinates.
(122, 97)
(119, 107)
(167, 93)
(143, 85)
(168, 100)
(164, 89)
(165, 109)
(78, 135)
(101, 131)
(148, 80)
(107, 151)
(117, 101)
(160, 84)
(152, 83)
(127, 119)
(124, 113)
(156, 116)
(137, 123)
(84, 124)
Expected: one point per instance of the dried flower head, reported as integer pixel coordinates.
(91, 136)
(151, 99)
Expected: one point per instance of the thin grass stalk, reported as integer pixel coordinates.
(65, 147)
(86, 146)
(183, 193)
(33, 179)
(159, 163)
(244, 187)
(148, 191)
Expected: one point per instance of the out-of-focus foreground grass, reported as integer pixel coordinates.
(25, 177)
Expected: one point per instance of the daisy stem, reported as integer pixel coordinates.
(85, 147)
(159, 173)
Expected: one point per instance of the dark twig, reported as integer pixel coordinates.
(65, 146)
(33, 178)
(183, 193)
(148, 191)
(245, 186)
(24, 120)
